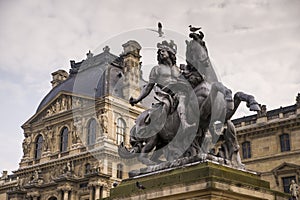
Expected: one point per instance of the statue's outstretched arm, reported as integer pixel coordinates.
(145, 92)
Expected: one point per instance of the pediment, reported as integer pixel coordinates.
(62, 102)
(285, 167)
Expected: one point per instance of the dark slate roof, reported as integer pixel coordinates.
(88, 77)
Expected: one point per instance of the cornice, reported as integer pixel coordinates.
(268, 127)
(272, 157)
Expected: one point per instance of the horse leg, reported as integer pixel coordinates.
(151, 142)
(232, 144)
(251, 102)
(238, 98)
(157, 153)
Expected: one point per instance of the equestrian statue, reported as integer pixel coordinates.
(191, 114)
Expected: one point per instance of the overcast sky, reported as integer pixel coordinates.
(254, 45)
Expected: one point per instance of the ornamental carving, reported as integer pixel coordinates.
(27, 145)
(62, 104)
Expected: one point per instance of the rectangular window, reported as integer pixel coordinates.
(285, 142)
(286, 181)
(246, 147)
(120, 171)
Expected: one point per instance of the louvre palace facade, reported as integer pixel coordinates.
(270, 144)
(70, 143)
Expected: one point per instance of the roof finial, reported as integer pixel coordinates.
(106, 49)
(298, 100)
(89, 54)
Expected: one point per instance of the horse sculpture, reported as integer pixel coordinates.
(156, 129)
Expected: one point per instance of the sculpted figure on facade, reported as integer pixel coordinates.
(190, 101)
(64, 103)
(97, 166)
(294, 190)
(52, 138)
(46, 141)
(298, 100)
(263, 111)
(26, 145)
(36, 178)
(103, 122)
(76, 102)
(75, 136)
(77, 130)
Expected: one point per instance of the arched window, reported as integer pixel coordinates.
(246, 146)
(38, 147)
(285, 142)
(87, 169)
(120, 171)
(120, 131)
(64, 139)
(92, 129)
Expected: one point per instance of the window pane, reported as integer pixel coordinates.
(246, 147)
(91, 139)
(286, 181)
(120, 131)
(38, 147)
(285, 142)
(64, 140)
(120, 171)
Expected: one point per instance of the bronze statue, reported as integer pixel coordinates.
(190, 102)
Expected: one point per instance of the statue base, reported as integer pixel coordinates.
(200, 158)
(206, 180)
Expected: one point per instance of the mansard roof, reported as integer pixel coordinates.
(89, 77)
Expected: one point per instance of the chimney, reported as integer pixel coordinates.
(58, 77)
(132, 68)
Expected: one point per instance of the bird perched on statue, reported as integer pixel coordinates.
(140, 186)
(194, 29)
(159, 30)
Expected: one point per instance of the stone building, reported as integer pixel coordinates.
(270, 144)
(70, 143)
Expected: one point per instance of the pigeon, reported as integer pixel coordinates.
(194, 29)
(139, 186)
(159, 30)
(115, 184)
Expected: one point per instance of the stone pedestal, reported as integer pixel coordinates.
(205, 181)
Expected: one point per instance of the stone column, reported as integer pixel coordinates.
(73, 195)
(97, 192)
(103, 191)
(91, 193)
(66, 195)
(60, 195)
